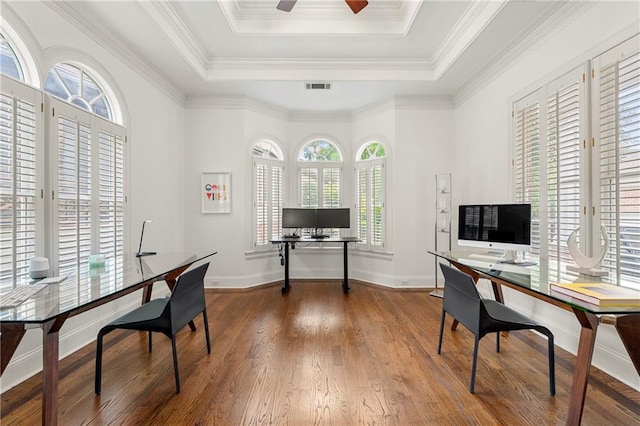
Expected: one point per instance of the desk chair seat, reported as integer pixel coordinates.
(166, 316)
(480, 316)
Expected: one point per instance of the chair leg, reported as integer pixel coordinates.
(175, 363)
(474, 364)
(498, 341)
(98, 378)
(206, 330)
(441, 330)
(150, 341)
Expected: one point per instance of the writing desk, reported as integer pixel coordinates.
(536, 282)
(51, 307)
(291, 241)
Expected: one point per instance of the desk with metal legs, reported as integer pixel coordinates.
(292, 241)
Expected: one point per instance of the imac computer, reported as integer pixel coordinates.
(501, 228)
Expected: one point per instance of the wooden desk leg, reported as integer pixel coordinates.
(11, 337)
(589, 323)
(628, 327)
(50, 370)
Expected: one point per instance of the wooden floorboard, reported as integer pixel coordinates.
(316, 356)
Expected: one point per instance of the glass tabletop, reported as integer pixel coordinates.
(538, 276)
(93, 285)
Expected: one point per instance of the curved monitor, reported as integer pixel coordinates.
(495, 226)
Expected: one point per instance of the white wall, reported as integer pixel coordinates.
(155, 122)
(482, 169)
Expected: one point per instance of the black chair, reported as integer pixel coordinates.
(166, 316)
(482, 316)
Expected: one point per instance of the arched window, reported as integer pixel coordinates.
(21, 156)
(88, 161)
(75, 86)
(319, 171)
(268, 187)
(9, 64)
(370, 195)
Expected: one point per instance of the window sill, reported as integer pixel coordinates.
(261, 254)
(375, 254)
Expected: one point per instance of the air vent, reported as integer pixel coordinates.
(318, 86)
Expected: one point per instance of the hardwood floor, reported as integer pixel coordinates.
(316, 356)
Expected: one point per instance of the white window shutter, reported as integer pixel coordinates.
(361, 204)
(617, 105)
(527, 161)
(277, 199)
(19, 156)
(261, 203)
(563, 161)
(377, 205)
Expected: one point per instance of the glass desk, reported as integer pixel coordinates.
(92, 287)
(535, 280)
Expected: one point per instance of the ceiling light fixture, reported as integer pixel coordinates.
(355, 5)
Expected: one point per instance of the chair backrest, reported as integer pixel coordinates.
(187, 297)
(461, 299)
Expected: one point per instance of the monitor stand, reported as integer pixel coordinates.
(497, 256)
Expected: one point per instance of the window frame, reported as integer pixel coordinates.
(367, 166)
(590, 208)
(271, 164)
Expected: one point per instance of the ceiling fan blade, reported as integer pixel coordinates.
(286, 5)
(357, 5)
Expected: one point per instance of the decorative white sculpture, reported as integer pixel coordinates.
(585, 264)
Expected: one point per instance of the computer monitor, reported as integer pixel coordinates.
(495, 226)
(298, 218)
(333, 218)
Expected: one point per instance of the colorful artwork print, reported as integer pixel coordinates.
(215, 190)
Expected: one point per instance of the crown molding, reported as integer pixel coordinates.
(474, 20)
(96, 31)
(215, 101)
(309, 69)
(178, 33)
(424, 102)
(320, 117)
(547, 25)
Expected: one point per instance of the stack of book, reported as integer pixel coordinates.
(599, 294)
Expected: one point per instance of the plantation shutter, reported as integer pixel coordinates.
(19, 156)
(74, 194)
(617, 105)
(309, 187)
(526, 121)
(268, 180)
(111, 194)
(377, 205)
(330, 187)
(277, 199)
(261, 203)
(563, 164)
(361, 203)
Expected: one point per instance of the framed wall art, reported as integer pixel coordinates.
(215, 192)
